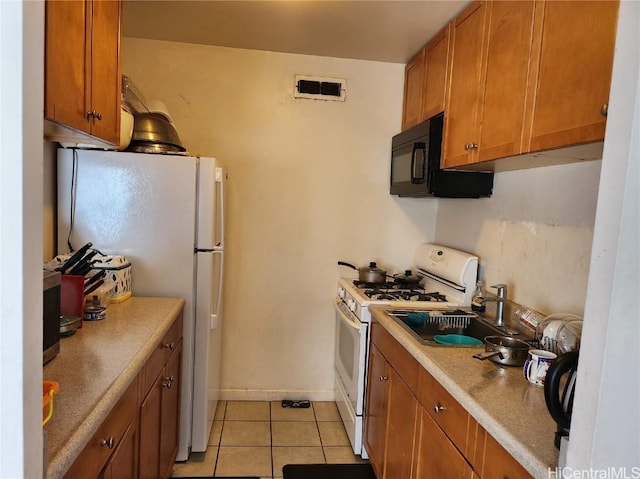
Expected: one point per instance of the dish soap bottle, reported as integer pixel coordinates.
(477, 301)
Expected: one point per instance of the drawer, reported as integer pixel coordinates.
(161, 354)
(399, 358)
(102, 444)
(446, 411)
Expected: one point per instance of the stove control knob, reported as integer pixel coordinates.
(341, 292)
(352, 304)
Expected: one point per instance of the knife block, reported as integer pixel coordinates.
(72, 296)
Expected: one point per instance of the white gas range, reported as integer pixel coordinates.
(448, 282)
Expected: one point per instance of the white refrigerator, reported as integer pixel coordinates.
(165, 213)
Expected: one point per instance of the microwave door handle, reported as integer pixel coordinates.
(418, 156)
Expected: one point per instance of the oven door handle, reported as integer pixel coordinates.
(418, 156)
(354, 324)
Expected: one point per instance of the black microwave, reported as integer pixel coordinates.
(415, 166)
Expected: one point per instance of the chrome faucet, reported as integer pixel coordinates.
(500, 299)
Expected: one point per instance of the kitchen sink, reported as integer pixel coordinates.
(424, 325)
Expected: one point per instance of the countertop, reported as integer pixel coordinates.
(498, 397)
(94, 368)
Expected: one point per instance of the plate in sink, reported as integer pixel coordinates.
(457, 339)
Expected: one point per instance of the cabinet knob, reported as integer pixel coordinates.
(170, 345)
(437, 408)
(90, 114)
(604, 109)
(471, 146)
(384, 378)
(167, 383)
(97, 115)
(107, 442)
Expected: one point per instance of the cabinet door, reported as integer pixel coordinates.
(575, 47)
(461, 118)
(413, 82)
(498, 463)
(375, 430)
(401, 422)
(66, 65)
(105, 70)
(170, 413)
(124, 461)
(150, 430)
(436, 456)
(435, 73)
(509, 30)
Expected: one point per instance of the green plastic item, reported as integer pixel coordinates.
(459, 339)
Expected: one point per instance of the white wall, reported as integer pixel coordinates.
(605, 427)
(308, 187)
(534, 233)
(21, 106)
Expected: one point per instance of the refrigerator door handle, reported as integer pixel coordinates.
(215, 314)
(219, 176)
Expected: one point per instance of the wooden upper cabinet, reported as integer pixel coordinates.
(461, 119)
(574, 47)
(82, 67)
(505, 78)
(413, 86)
(66, 67)
(106, 82)
(490, 71)
(435, 73)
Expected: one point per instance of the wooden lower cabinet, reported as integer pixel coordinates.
(139, 438)
(124, 461)
(376, 406)
(436, 456)
(159, 415)
(414, 429)
(170, 413)
(498, 463)
(400, 432)
(106, 445)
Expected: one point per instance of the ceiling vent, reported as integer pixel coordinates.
(316, 88)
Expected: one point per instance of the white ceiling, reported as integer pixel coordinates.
(388, 31)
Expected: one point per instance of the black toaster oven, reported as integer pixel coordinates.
(50, 315)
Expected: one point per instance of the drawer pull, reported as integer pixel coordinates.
(170, 345)
(384, 378)
(168, 381)
(437, 408)
(470, 146)
(107, 442)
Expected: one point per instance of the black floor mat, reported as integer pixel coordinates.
(328, 471)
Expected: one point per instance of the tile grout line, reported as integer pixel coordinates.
(324, 455)
(273, 474)
(224, 415)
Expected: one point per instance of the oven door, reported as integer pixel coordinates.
(351, 355)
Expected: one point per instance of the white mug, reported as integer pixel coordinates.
(536, 365)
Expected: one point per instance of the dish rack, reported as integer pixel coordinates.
(558, 333)
(446, 319)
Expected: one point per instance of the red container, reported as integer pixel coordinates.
(72, 296)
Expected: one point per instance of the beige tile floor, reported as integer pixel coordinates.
(257, 438)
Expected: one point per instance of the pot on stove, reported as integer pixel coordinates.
(368, 274)
(406, 278)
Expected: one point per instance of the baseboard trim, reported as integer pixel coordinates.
(274, 395)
